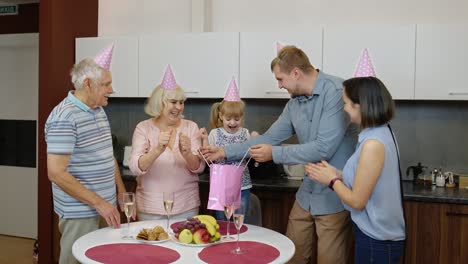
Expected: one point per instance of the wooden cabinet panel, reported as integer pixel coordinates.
(391, 48)
(124, 65)
(437, 233)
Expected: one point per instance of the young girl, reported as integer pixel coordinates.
(226, 121)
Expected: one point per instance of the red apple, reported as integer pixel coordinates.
(201, 236)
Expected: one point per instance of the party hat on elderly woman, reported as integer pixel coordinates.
(168, 81)
(279, 47)
(104, 58)
(232, 94)
(364, 67)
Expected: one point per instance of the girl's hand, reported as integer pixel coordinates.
(321, 172)
(203, 136)
(254, 134)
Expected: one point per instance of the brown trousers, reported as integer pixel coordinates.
(320, 239)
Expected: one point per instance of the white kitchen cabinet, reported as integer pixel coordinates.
(391, 49)
(124, 65)
(203, 64)
(441, 57)
(258, 49)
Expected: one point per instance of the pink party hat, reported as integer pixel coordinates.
(232, 95)
(364, 68)
(279, 47)
(104, 58)
(168, 82)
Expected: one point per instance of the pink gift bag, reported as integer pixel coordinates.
(225, 186)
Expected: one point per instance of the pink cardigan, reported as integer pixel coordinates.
(168, 171)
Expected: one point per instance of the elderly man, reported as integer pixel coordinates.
(318, 224)
(80, 158)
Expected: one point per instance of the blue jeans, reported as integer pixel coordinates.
(245, 200)
(369, 250)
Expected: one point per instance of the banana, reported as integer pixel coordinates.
(209, 227)
(207, 218)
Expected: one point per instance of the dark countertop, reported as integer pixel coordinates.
(411, 192)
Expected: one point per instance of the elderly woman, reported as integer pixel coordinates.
(369, 185)
(164, 155)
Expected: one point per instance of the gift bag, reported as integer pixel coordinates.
(225, 186)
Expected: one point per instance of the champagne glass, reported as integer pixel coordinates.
(129, 208)
(239, 215)
(168, 198)
(228, 210)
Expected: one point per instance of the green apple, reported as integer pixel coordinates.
(185, 236)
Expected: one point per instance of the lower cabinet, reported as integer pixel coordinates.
(437, 233)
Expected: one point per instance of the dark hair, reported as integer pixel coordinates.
(377, 106)
(290, 57)
(225, 108)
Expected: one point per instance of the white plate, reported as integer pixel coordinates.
(175, 240)
(151, 241)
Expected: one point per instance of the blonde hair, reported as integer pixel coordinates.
(225, 108)
(291, 57)
(159, 97)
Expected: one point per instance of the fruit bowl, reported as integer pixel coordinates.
(175, 240)
(200, 231)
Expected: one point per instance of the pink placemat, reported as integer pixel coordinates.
(222, 227)
(254, 253)
(132, 253)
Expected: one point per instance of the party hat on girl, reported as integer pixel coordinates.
(104, 58)
(279, 47)
(168, 81)
(364, 67)
(232, 94)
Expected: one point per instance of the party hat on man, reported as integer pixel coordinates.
(104, 58)
(232, 94)
(279, 47)
(364, 67)
(168, 81)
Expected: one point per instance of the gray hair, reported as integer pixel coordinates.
(86, 68)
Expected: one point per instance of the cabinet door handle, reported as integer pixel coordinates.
(458, 93)
(456, 214)
(275, 92)
(191, 92)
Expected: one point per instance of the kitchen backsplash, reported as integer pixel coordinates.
(432, 132)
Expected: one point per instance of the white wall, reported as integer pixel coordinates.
(19, 59)
(123, 17)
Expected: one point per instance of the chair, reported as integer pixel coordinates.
(254, 216)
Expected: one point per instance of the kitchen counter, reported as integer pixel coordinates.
(411, 192)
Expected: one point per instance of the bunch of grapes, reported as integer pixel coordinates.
(192, 224)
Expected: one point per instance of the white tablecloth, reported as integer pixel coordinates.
(187, 254)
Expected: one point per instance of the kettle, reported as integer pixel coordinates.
(417, 170)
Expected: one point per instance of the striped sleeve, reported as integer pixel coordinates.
(60, 137)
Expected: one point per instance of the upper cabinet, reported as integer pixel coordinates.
(124, 65)
(203, 64)
(391, 49)
(257, 50)
(441, 57)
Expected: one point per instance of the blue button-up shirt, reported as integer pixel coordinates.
(324, 133)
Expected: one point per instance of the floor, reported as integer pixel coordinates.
(16, 250)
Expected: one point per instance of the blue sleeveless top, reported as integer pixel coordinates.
(382, 217)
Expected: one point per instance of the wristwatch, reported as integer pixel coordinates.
(332, 182)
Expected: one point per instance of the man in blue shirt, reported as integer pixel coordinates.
(80, 160)
(315, 115)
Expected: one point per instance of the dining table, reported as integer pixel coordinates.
(106, 245)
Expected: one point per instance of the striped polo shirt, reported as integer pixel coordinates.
(83, 133)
